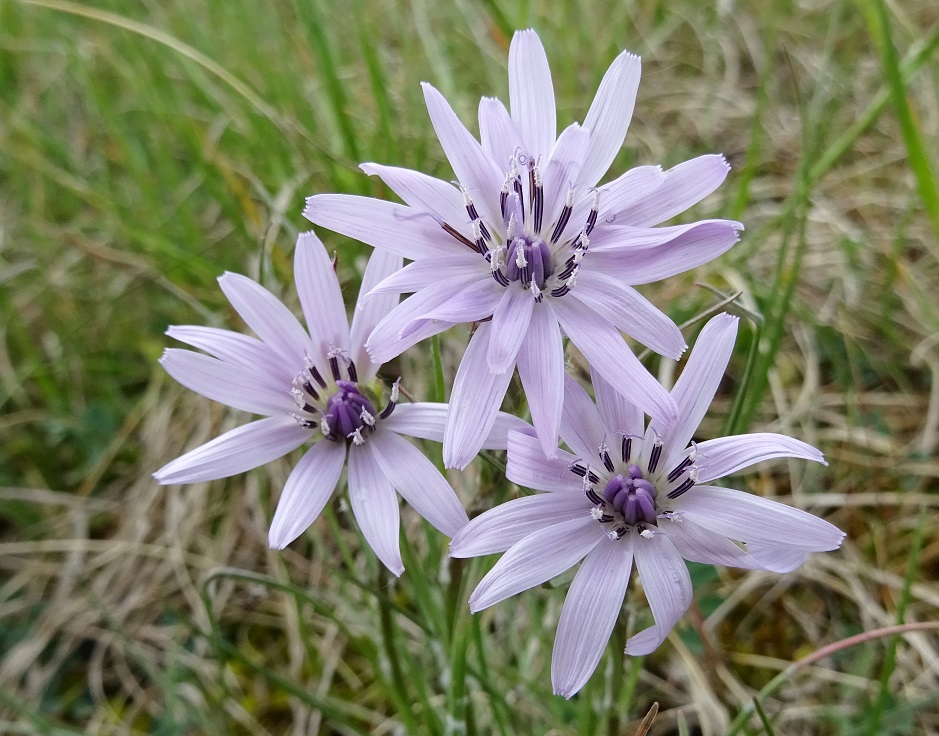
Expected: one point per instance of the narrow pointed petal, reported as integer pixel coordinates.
(270, 320)
(778, 557)
(686, 184)
(309, 486)
(244, 351)
(581, 426)
(236, 451)
(497, 132)
(375, 505)
(510, 322)
(541, 368)
(607, 352)
(393, 227)
(667, 585)
(387, 341)
(501, 527)
(562, 172)
(427, 421)
(419, 275)
(635, 184)
(629, 311)
(418, 481)
(474, 403)
(529, 467)
(228, 384)
(727, 455)
(698, 244)
(697, 544)
(424, 193)
(535, 559)
(475, 301)
(748, 518)
(531, 93)
(370, 310)
(620, 417)
(476, 171)
(320, 297)
(609, 115)
(589, 614)
(695, 388)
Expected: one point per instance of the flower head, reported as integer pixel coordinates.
(627, 493)
(528, 242)
(319, 387)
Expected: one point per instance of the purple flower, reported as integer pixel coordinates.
(629, 493)
(317, 386)
(529, 246)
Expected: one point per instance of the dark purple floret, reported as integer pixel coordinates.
(528, 259)
(632, 496)
(348, 413)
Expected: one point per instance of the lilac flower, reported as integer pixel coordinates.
(320, 387)
(627, 493)
(530, 247)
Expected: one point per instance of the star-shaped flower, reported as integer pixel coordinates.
(320, 387)
(529, 246)
(627, 493)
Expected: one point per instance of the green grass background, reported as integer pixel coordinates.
(145, 147)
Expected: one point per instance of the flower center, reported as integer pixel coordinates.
(632, 496)
(339, 408)
(635, 494)
(528, 260)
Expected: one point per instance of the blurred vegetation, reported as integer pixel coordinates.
(146, 147)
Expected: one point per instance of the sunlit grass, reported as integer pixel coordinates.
(147, 147)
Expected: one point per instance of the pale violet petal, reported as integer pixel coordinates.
(686, 184)
(621, 418)
(609, 115)
(727, 455)
(629, 311)
(531, 93)
(387, 340)
(749, 518)
(497, 132)
(562, 172)
(477, 172)
(501, 527)
(320, 297)
(228, 384)
(309, 486)
(244, 351)
(387, 225)
(474, 403)
(581, 427)
(418, 481)
(589, 614)
(697, 244)
(607, 352)
(633, 185)
(427, 420)
(695, 388)
(236, 451)
(509, 324)
(419, 275)
(667, 586)
(537, 558)
(375, 505)
(697, 544)
(528, 466)
(370, 310)
(475, 301)
(541, 368)
(424, 193)
(270, 320)
(778, 557)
